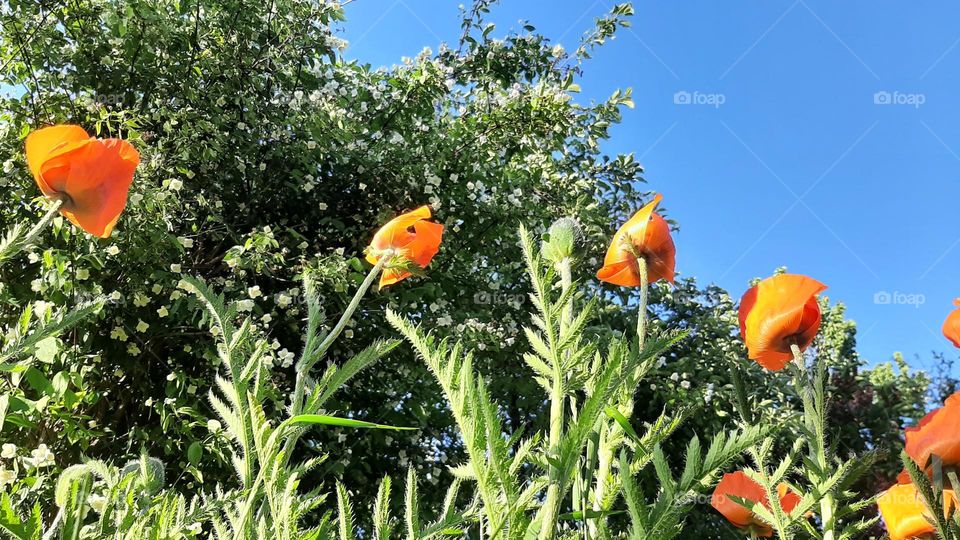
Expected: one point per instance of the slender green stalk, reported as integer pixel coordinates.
(611, 430)
(815, 422)
(312, 357)
(780, 520)
(303, 369)
(642, 308)
(248, 507)
(19, 243)
(557, 402)
(566, 282)
(552, 503)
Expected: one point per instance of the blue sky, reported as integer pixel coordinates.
(815, 134)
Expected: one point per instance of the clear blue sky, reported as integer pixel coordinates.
(800, 165)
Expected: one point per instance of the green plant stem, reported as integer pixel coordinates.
(248, 507)
(815, 421)
(18, 244)
(54, 525)
(312, 357)
(642, 308)
(610, 430)
(551, 504)
(566, 283)
(42, 224)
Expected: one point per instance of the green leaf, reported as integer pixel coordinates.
(4, 404)
(195, 452)
(325, 420)
(612, 412)
(47, 349)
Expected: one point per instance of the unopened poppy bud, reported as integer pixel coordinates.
(563, 238)
(149, 471)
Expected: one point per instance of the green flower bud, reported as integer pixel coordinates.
(149, 471)
(562, 240)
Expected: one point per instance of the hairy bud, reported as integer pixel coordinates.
(563, 239)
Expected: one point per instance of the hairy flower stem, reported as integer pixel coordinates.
(566, 282)
(609, 430)
(312, 357)
(19, 243)
(816, 424)
(42, 224)
(642, 308)
(551, 506)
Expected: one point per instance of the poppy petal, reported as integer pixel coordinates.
(426, 242)
(937, 434)
(394, 233)
(645, 234)
(776, 312)
(738, 484)
(788, 498)
(42, 142)
(411, 237)
(392, 275)
(98, 177)
(660, 251)
(905, 514)
(623, 273)
(951, 327)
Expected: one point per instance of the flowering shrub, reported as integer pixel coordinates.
(169, 371)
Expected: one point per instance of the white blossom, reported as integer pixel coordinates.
(40, 457)
(97, 502)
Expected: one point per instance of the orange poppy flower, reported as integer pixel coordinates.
(91, 176)
(951, 326)
(905, 514)
(411, 238)
(740, 485)
(779, 311)
(645, 235)
(937, 434)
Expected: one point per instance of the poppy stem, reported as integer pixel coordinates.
(815, 419)
(557, 405)
(642, 308)
(611, 430)
(20, 243)
(312, 357)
